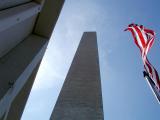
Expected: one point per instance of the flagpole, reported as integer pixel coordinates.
(152, 86)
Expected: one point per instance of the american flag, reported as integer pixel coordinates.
(144, 39)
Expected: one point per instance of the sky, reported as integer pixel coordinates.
(126, 94)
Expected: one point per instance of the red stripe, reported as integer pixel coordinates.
(140, 36)
(134, 37)
(157, 78)
(149, 67)
(149, 31)
(148, 45)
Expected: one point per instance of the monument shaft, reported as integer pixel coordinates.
(80, 97)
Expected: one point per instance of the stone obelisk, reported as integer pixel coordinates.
(81, 96)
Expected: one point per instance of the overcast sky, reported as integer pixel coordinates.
(126, 94)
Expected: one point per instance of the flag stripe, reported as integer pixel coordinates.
(140, 36)
(134, 36)
(144, 39)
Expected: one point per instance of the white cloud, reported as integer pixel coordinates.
(47, 77)
(62, 48)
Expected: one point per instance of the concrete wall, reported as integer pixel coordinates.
(16, 61)
(48, 17)
(4, 4)
(11, 37)
(24, 37)
(18, 103)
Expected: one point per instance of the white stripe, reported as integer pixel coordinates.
(148, 46)
(137, 37)
(143, 34)
(155, 79)
(146, 68)
(154, 76)
(145, 51)
(144, 56)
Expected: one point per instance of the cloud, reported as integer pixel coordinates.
(75, 19)
(47, 77)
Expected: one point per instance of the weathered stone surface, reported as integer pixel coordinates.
(80, 97)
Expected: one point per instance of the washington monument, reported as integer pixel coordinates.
(80, 97)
